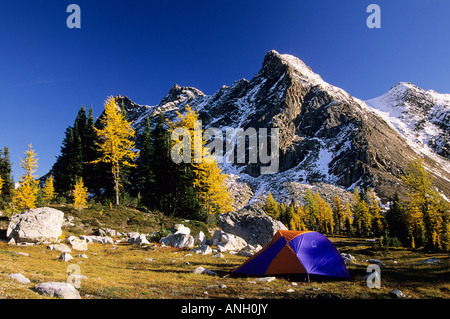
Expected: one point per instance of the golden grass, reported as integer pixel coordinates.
(125, 271)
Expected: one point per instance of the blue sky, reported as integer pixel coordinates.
(141, 48)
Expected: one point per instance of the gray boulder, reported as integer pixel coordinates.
(227, 242)
(36, 225)
(77, 243)
(252, 224)
(139, 240)
(178, 240)
(60, 247)
(20, 278)
(57, 289)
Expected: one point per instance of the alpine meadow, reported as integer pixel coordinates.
(280, 186)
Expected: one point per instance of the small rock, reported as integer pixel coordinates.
(66, 257)
(81, 256)
(375, 261)
(77, 244)
(57, 289)
(60, 247)
(203, 250)
(20, 278)
(219, 255)
(290, 290)
(431, 260)
(397, 294)
(266, 279)
(202, 270)
(222, 286)
(22, 254)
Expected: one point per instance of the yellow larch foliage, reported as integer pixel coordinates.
(116, 141)
(25, 195)
(48, 190)
(80, 194)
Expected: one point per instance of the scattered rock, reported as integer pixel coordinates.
(226, 242)
(219, 255)
(66, 257)
(266, 279)
(290, 290)
(20, 278)
(200, 239)
(178, 240)
(431, 260)
(22, 253)
(82, 256)
(77, 243)
(181, 229)
(57, 289)
(249, 250)
(375, 261)
(203, 250)
(36, 225)
(60, 247)
(397, 294)
(139, 240)
(97, 239)
(252, 224)
(202, 270)
(348, 258)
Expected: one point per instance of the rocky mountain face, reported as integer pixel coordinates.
(328, 139)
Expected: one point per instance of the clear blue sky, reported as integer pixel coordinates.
(141, 48)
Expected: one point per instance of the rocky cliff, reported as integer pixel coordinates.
(327, 137)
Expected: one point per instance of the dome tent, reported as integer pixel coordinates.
(306, 254)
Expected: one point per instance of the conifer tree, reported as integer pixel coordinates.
(377, 219)
(426, 207)
(5, 174)
(25, 195)
(48, 190)
(79, 195)
(396, 220)
(361, 216)
(338, 214)
(115, 142)
(311, 210)
(208, 179)
(271, 207)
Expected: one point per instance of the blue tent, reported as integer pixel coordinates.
(306, 253)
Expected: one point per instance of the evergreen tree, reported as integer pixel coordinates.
(271, 207)
(338, 214)
(362, 220)
(5, 174)
(426, 207)
(377, 219)
(311, 210)
(396, 220)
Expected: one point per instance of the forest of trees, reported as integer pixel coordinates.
(104, 161)
(100, 161)
(421, 220)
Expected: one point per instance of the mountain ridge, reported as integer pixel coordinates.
(326, 135)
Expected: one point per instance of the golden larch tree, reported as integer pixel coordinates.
(208, 181)
(80, 194)
(116, 143)
(48, 190)
(25, 195)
